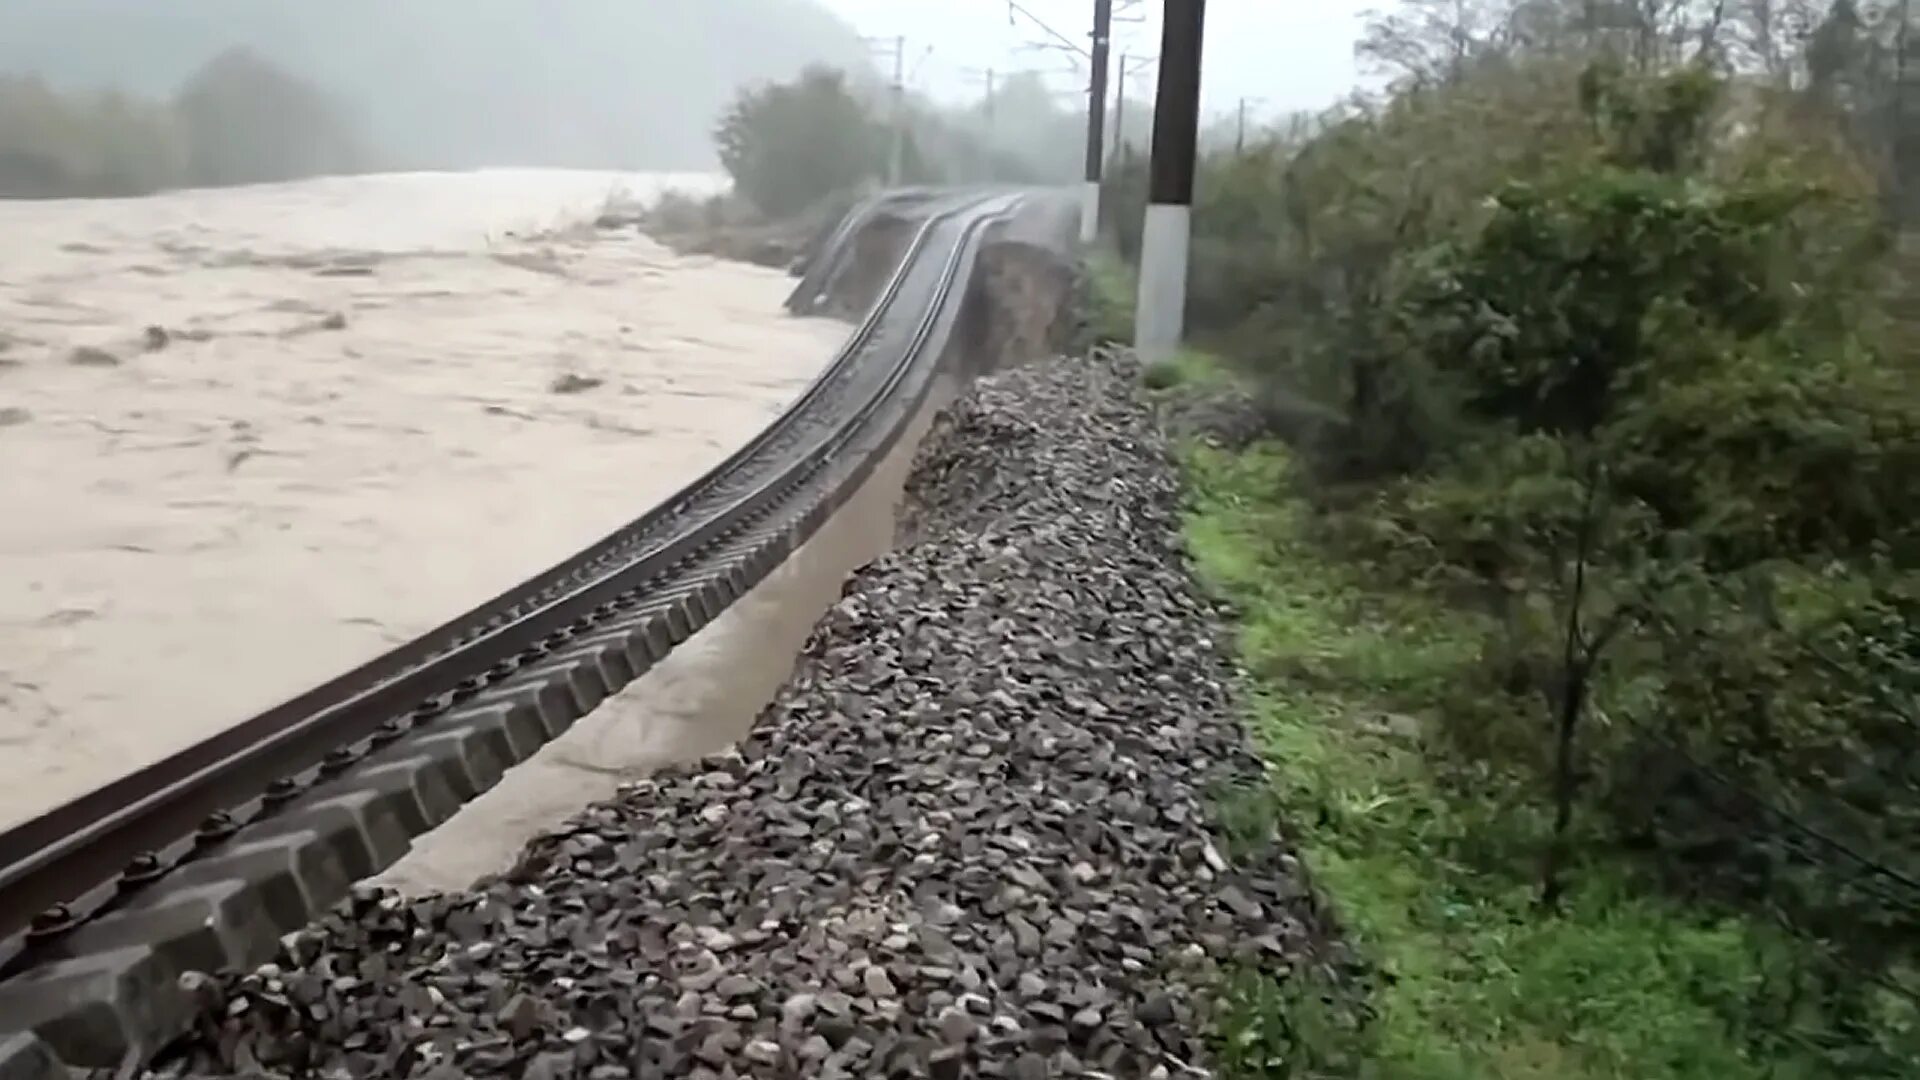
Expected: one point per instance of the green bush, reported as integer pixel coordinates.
(1429, 859)
(790, 145)
(1615, 387)
(1110, 289)
(1163, 375)
(1653, 430)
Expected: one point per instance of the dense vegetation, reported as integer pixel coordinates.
(419, 84)
(230, 91)
(1587, 644)
(237, 120)
(791, 145)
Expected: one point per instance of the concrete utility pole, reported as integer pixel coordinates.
(1906, 121)
(990, 127)
(1128, 67)
(1900, 44)
(1096, 121)
(989, 78)
(897, 93)
(897, 155)
(1160, 315)
(1240, 131)
(1104, 16)
(1901, 76)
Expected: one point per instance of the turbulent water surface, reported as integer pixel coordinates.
(251, 437)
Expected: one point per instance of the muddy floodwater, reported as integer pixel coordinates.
(700, 700)
(249, 438)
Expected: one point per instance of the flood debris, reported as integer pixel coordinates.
(92, 356)
(574, 383)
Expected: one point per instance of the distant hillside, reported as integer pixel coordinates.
(458, 83)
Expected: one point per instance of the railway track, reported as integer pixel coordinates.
(204, 860)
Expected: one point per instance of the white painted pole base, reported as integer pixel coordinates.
(1090, 211)
(1160, 314)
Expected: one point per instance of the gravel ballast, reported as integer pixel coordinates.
(969, 838)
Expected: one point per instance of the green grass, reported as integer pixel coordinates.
(1112, 285)
(1188, 368)
(1430, 883)
(1111, 288)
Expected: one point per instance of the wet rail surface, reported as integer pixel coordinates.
(203, 860)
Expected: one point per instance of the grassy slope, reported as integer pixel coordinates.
(1482, 986)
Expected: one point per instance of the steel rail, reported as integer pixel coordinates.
(76, 850)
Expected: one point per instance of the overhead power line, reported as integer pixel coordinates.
(1128, 67)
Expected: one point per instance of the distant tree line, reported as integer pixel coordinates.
(792, 145)
(459, 84)
(238, 120)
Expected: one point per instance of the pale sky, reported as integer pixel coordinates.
(1283, 55)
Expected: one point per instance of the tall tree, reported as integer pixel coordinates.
(248, 122)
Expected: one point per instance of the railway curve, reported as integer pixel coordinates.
(202, 861)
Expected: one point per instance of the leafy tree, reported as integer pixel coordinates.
(790, 145)
(249, 122)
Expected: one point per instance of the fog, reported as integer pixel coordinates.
(452, 83)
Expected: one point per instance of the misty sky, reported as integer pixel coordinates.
(1284, 54)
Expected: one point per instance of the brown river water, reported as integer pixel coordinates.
(366, 404)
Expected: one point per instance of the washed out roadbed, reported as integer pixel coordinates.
(971, 837)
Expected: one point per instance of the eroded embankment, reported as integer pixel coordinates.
(970, 834)
(704, 697)
(700, 700)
